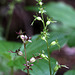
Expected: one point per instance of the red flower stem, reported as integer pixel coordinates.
(26, 57)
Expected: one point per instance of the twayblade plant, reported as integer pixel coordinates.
(44, 36)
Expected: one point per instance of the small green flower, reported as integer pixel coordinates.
(44, 56)
(40, 3)
(53, 43)
(38, 18)
(42, 10)
(48, 22)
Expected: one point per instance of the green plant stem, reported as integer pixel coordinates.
(47, 44)
(49, 57)
(46, 41)
(26, 57)
(43, 20)
(53, 73)
(12, 71)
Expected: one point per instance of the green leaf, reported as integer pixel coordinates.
(7, 57)
(71, 41)
(42, 67)
(3, 64)
(6, 46)
(70, 72)
(61, 12)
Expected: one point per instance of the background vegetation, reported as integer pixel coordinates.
(18, 14)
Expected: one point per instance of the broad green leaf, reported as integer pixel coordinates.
(61, 12)
(70, 72)
(6, 46)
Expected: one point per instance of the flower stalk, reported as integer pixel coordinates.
(49, 57)
(44, 33)
(12, 71)
(26, 58)
(46, 42)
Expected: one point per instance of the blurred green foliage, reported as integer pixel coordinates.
(5, 56)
